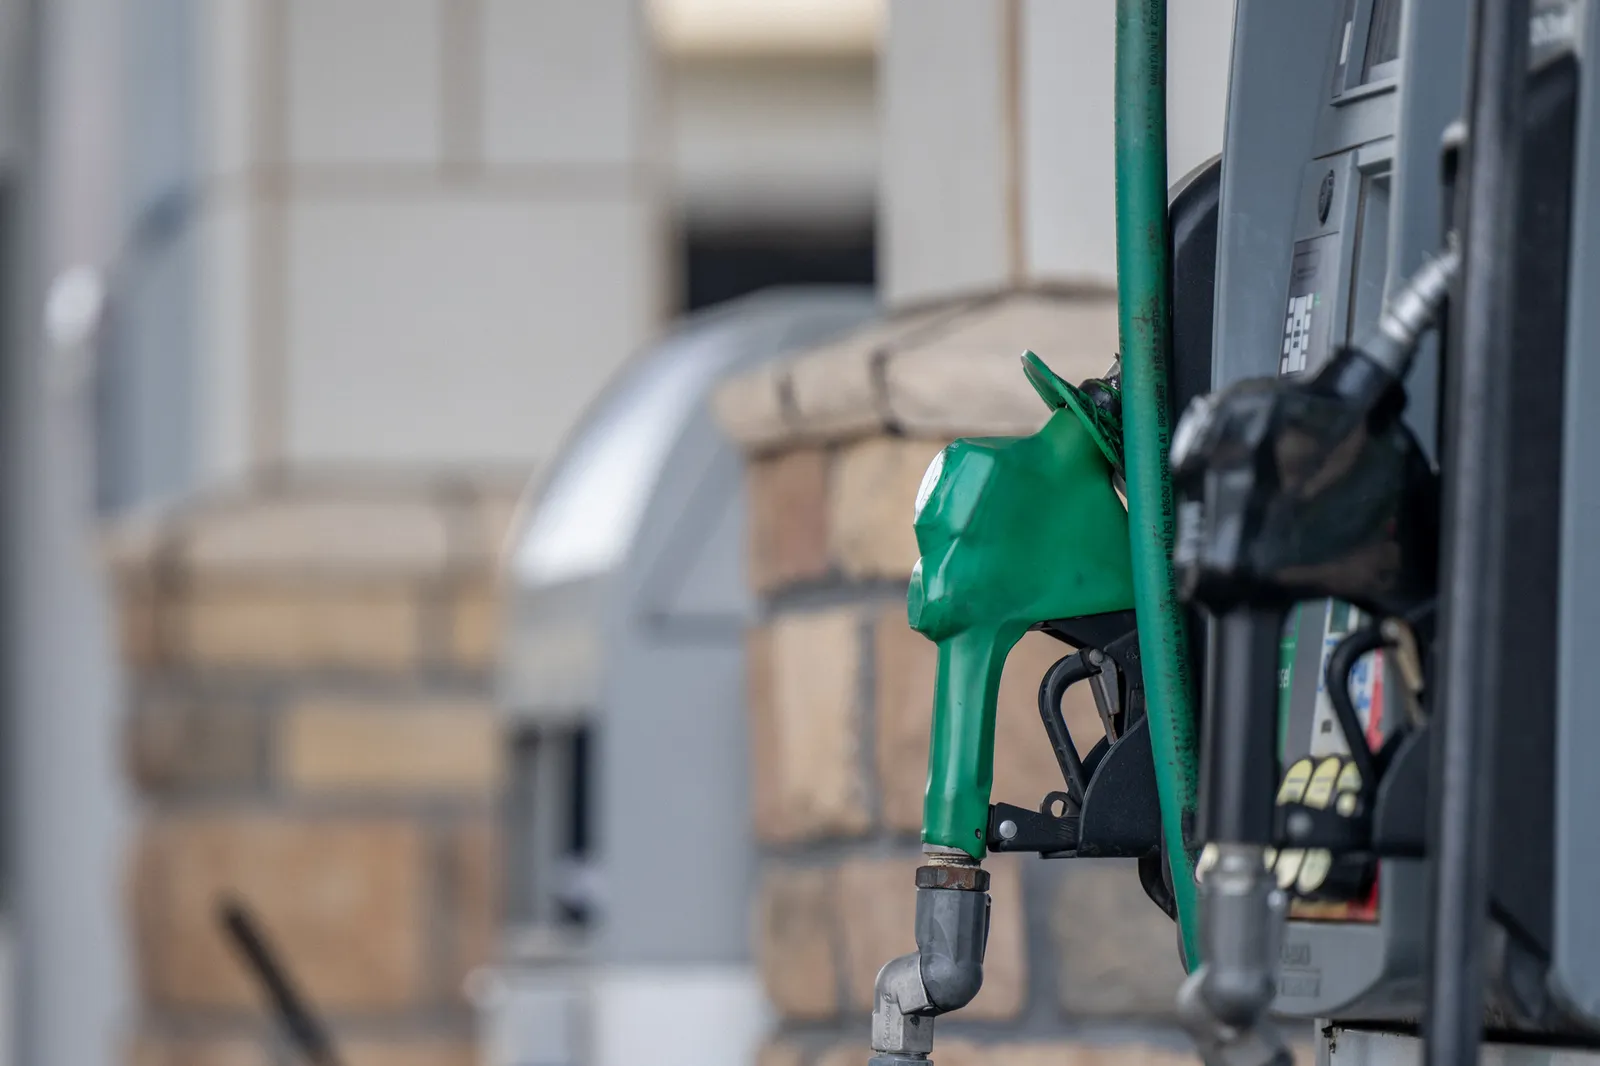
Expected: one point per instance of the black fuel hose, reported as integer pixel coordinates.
(1240, 742)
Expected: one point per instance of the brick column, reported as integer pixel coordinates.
(1081, 966)
(311, 734)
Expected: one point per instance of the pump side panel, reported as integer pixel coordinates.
(1575, 966)
(673, 798)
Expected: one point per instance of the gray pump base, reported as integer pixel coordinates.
(1357, 1047)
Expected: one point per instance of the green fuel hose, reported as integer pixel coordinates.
(1144, 322)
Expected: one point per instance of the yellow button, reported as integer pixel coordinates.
(1349, 779)
(1294, 782)
(1320, 791)
(1314, 871)
(1289, 861)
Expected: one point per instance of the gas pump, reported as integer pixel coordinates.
(1297, 489)
(1384, 507)
(1381, 777)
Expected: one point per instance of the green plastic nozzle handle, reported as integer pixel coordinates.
(1013, 531)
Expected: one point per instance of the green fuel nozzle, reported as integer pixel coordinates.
(1013, 531)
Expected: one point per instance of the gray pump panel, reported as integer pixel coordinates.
(622, 682)
(1574, 977)
(625, 633)
(674, 634)
(1331, 192)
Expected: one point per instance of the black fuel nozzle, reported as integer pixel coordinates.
(1306, 486)
(1290, 488)
(1300, 488)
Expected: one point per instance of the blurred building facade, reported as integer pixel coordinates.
(376, 261)
(374, 236)
(385, 253)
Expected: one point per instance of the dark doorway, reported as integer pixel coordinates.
(722, 264)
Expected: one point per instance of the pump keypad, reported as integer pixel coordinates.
(1331, 784)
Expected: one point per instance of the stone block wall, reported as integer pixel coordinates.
(1081, 966)
(311, 733)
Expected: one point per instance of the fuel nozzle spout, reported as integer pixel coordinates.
(946, 970)
(1224, 1003)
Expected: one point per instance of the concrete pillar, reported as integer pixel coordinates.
(997, 165)
(66, 989)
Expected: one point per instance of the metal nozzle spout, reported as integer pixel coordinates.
(942, 975)
(902, 1026)
(1224, 1003)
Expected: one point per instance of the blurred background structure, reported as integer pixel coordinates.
(343, 296)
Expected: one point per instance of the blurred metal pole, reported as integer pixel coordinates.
(18, 179)
(64, 800)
